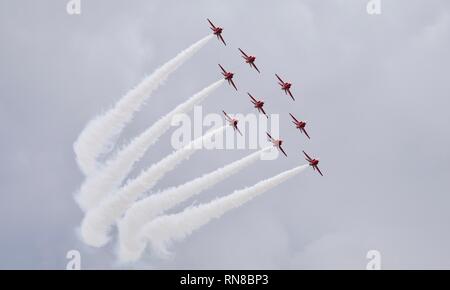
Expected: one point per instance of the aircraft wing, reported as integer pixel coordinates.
(254, 100)
(243, 52)
(222, 68)
(262, 110)
(306, 133)
(237, 129)
(270, 137)
(253, 64)
(226, 116)
(211, 23)
(231, 81)
(221, 38)
(319, 170)
(290, 94)
(281, 149)
(294, 118)
(307, 156)
(279, 78)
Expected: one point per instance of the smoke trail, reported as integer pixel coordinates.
(168, 228)
(97, 222)
(97, 186)
(97, 137)
(143, 211)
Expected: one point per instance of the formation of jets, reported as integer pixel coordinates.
(259, 104)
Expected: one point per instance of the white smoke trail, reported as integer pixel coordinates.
(106, 180)
(143, 211)
(163, 230)
(97, 137)
(97, 222)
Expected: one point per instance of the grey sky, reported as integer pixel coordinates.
(375, 90)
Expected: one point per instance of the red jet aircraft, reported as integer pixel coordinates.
(258, 105)
(285, 86)
(300, 125)
(228, 76)
(276, 143)
(250, 59)
(217, 31)
(233, 122)
(313, 162)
